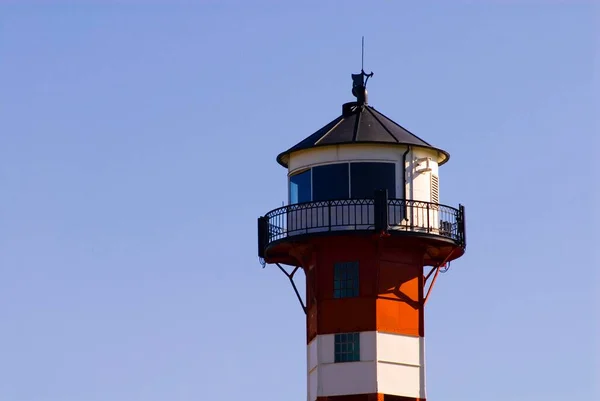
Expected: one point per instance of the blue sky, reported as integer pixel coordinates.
(137, 148)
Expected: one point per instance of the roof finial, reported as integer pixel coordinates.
(359, 84)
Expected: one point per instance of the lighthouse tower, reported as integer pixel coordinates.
(365, 224)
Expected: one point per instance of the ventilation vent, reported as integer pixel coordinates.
(435, 189)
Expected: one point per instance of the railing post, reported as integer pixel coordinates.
(412, 214)
(380, 210)
(329, 214)
(428, 224)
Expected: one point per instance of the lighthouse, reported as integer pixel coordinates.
(366, 225)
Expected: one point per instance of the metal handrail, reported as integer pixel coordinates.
(359, 214)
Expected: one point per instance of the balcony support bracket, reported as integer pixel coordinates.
(290, 276)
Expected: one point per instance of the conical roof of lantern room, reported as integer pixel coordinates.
(361, 123)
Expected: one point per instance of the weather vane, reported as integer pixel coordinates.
(359, 83)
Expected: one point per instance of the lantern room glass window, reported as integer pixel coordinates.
(347, 347)
(331, 182)
(358, 180)
(368, 177)
(345, 280)
(300, 187)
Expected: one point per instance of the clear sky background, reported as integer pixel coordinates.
(137, 149)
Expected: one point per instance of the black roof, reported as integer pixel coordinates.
(360, 124)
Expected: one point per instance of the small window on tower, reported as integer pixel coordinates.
(347, 347)
(345, 280)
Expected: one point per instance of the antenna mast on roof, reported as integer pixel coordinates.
(362, 61)
(359, 83)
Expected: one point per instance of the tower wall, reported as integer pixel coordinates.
(386, 313)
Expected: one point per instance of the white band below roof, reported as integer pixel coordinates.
(338, 153)
(389, 364)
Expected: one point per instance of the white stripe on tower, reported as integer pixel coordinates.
(392, 364)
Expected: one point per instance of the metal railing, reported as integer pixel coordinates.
(362, 214)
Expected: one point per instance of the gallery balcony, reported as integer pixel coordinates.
(438, 226)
